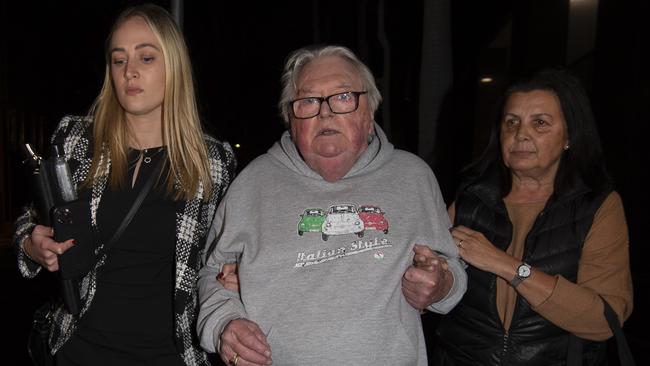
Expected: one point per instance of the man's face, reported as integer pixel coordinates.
(331, 143)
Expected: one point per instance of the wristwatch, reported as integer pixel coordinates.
(523, 272)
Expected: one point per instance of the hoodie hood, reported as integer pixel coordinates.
(379, 151)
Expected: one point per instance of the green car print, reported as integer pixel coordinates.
(311, 221)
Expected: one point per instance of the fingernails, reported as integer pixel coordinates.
(73, 242)
(220, 275)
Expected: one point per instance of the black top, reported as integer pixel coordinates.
(131, 319)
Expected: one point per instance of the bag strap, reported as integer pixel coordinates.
(574, 352)
(135, 206)
(624, 352)
(574, 356)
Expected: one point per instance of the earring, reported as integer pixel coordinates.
(370, 138)
(566, 147)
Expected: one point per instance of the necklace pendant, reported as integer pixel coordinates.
(147, 159)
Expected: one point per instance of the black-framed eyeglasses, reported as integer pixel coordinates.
(339, 103)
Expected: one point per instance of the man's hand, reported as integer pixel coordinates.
(428, 280)
(243, 343)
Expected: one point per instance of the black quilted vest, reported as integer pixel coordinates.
(472, 334)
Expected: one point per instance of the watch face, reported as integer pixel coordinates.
(523, 271)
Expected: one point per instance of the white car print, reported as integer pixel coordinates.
(342, 219)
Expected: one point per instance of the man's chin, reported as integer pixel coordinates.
(329, 150)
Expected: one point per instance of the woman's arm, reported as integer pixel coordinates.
(33, 243)
(22, 229)
(603, 269)
(476, 250)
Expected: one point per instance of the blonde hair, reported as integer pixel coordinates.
(182, 133)
(297, 61)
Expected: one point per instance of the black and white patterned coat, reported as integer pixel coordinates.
(193, 219)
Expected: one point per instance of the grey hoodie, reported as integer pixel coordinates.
(321, 264)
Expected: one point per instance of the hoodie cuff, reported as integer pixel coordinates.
(456, 292)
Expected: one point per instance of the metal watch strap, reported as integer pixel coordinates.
(517, 279)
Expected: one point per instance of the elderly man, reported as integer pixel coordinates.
(323, 229)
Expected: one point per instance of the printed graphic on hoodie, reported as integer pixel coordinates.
(373, 218)
(342, 219)
(318, 256)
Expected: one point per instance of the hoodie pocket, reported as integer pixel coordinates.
(360, 341)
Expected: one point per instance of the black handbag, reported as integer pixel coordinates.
(38, 345)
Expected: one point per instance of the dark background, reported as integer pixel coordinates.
(428, 58)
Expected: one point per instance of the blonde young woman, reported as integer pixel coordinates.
(138, 301)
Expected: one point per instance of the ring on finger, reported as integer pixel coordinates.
(460, 244)
(234, 360)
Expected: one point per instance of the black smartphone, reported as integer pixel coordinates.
(72, 221)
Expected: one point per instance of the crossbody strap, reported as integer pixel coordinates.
(574, 357)
(136, 205)
(624, 352)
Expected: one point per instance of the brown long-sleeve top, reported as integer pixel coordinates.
(604, 269)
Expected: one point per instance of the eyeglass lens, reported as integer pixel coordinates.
(346, 102)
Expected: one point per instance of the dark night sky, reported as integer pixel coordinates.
(54, 53)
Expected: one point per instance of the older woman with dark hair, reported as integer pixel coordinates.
(323, 228)
(543, 232)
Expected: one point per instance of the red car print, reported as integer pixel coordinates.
(373, 218)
